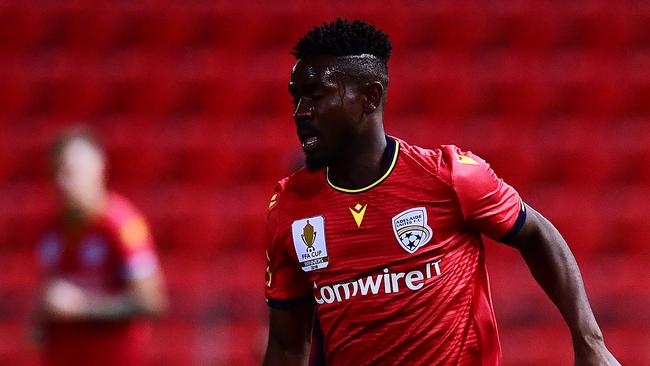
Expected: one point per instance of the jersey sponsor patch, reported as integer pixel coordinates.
(411, 229)
(309, 242)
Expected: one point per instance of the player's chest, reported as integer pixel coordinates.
(357, 233)
(88, 253)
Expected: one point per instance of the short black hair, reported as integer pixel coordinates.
(362, 49)
(344, 38)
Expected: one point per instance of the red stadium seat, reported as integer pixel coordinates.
(527, 28)
(448, 27)
(597, 25)
(536, 346)
(13, 348)
(15, 89)
(175, 343)
(21, 28)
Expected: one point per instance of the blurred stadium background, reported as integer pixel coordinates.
(190, 100)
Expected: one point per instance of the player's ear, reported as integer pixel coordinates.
(373, 93)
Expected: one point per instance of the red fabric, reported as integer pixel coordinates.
(98, 344)
(429, 307)
(100, 256)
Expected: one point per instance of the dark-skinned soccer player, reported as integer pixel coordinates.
(379, 241)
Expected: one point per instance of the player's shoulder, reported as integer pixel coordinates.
(300, 185)
(435, 161)
(121, 213)
(446, 162)
(125, 222)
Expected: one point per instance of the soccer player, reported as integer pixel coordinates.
(100, 271)
(379, 240)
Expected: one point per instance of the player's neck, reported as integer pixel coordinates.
(92, 207)
(365, 162)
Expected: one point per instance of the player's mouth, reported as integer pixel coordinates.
(310, 144)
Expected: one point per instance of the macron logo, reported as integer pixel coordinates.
(386, 282)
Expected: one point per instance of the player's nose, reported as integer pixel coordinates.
(303, 111)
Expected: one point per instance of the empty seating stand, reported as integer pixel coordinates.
(190, 101)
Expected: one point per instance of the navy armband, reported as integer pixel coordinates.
(519, 223)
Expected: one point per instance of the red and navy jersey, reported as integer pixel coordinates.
(101, 255)
(396, 268)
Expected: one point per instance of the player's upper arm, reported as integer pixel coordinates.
(287, 294)
(141, 266)
(286, 283)
(534, 229)
(290, 333)
(488, 204)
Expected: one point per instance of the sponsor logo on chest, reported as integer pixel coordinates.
(309, 242)
(384, 283)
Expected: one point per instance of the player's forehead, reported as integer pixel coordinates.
(79, 153)
(313, 71)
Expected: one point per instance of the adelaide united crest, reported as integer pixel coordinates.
(411, 229)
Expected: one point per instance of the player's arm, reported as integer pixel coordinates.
(288, 295)
(494, 208)
(35, 327)
(290, 335)
(144, 296)
(144, 293)
(555, 269)
(63, 300)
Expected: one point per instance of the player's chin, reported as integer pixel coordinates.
(315, 162)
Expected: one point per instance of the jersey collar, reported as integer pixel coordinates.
(393, 149)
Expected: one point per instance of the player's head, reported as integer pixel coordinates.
(79, 164)
(338, 85)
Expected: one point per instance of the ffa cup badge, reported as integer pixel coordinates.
(309, 242)
(411, 229)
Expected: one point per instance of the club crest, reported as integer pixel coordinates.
(309, 242)
(411, 229)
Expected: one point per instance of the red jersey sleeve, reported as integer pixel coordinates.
(488, 204)
(136, 246)
(285, 282)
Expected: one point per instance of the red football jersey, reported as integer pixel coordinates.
(397, 268)
(100, 256)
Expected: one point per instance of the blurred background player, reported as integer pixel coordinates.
(101, 276)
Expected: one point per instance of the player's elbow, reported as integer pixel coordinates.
(150, 296)
(153, 306)
(280, 352)
(150, 304)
